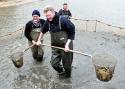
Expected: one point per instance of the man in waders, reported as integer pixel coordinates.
(32, 32)
(62, 32)
(65, 11)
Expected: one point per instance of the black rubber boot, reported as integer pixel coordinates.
(34, 55)
(39, 58)
(68, 75)
(59, 69)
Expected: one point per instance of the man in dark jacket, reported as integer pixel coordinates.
(65, 11)
(62, 32)
(32, 31)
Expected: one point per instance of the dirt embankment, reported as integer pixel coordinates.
(6, 3)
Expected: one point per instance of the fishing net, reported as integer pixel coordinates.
(17, 59)
(104, 66)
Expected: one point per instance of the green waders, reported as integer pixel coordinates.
(37, 51)
(59, 39)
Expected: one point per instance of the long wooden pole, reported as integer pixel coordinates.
(74, 51)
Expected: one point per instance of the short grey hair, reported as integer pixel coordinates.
(48, 8)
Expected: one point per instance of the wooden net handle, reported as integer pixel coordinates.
(74, 51)
(29, 47)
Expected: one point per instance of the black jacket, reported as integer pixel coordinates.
(29, 26)
(66, 25)
(62, 12)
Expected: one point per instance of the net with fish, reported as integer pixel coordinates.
(104, 66)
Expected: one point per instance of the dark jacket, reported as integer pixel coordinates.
(29, 26)
(63, 12)
(66, 25)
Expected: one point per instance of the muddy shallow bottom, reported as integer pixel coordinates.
(34, 75)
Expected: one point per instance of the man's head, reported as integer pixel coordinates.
(65, 6)
(49, 13)
(36, 15)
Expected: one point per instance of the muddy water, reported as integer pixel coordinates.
(34, 75)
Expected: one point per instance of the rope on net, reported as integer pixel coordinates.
(96, 21)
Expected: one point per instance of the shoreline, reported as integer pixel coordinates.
(14, 2)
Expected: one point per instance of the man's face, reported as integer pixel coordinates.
(50, 15)
(36, 18)
(65, 7)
